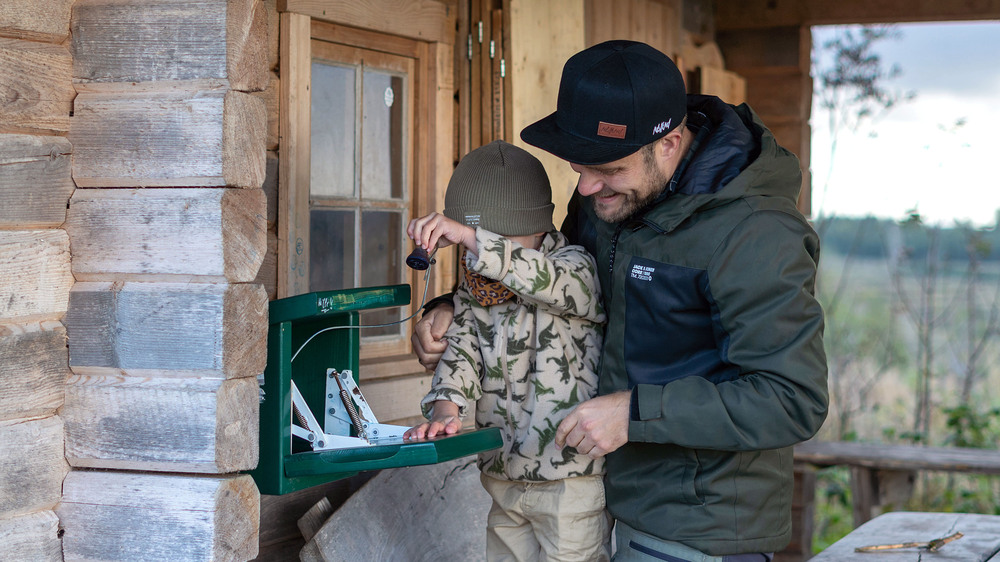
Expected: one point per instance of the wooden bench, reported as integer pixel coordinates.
(882, 478)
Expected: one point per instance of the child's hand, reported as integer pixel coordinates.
(444, 421)
(436, 230)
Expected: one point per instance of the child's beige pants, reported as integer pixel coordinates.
(556, 520)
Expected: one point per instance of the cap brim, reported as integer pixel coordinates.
(546, 134)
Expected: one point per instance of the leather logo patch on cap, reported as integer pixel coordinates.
(611, 130)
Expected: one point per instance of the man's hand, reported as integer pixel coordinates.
(598, 426)
(428, 335)
(444, 421)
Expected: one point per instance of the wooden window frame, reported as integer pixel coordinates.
(432, 101)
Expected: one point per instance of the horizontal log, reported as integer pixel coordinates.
(36, 183)
(165, 136)
(167, 329)
(127, 516)
(33, 369)
(152, 234)
(37, 20)
(162, 424)
(32, 466)
(36, 89)
(35, 268)
(141, 41)
(34, 536)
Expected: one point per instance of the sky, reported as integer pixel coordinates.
(917, 158)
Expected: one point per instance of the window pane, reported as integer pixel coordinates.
(333, 123)
(383, 136)
(331, 250)
(381, 262)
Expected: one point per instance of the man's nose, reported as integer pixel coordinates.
(589, 184)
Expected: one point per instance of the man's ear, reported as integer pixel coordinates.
(669, 146)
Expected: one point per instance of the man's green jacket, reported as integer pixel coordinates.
(714, 327)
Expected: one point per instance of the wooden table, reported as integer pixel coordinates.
(980, 541)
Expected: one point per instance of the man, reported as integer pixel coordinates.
(713, 363)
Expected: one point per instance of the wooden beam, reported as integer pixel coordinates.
(36, 183)
(127, 516)
(34, 536)
(167, 329)
(38, 90)
(140, 41)
(36, 20)
(161, 234)
(294, 141)
(32, 466)
(270, 98)
(33, 369)
(428, 20)
(162, 424)
(748, 14)
(167, 134)
(35, 268)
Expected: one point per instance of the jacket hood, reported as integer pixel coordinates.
(733, 156)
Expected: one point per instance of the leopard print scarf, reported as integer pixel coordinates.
(486, 291)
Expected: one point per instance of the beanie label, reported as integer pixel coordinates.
(472, 220)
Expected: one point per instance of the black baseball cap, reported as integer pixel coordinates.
(614, 98)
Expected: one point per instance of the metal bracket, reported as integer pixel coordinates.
(344, 407)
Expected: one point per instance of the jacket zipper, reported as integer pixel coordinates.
(502, 353)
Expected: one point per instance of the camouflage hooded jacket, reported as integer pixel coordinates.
(525, 363)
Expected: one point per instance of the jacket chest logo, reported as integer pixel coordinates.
(642, 272)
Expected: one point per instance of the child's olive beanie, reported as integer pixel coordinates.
(501, 188)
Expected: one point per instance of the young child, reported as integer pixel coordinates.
(523, 350)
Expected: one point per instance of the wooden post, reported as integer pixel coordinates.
(132, 516)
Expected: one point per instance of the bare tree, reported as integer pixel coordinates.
(851, 85)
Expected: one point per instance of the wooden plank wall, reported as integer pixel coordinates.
(35, 276)
(166, 324)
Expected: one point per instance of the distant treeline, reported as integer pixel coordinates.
(879, 238)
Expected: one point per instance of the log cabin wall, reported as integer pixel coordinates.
(36, 96)
(167, 320)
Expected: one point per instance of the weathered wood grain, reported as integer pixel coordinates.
(33, 369)
(141, 41)
(36, 89)
(36, 182)
(129, 516)
(35, 269)
(429, 20)
(37, 20)
(165, 136)
(167, 329)
(145, 233)
(32, 466)
(34, 537)
(270, 98)
(898, 457)
(162, 424)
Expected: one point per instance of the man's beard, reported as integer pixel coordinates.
(653, 184)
